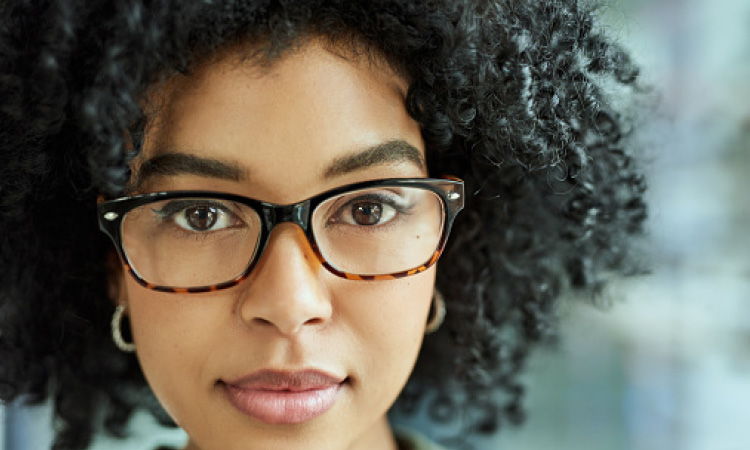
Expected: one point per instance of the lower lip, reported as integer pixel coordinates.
(282, 407)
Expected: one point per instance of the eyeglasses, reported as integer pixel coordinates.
(202, 241)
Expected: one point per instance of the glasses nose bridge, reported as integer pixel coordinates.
(298, 213)
(274, 214)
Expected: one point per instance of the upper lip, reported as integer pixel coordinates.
(282, 380)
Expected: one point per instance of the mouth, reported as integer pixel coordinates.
(279, 397)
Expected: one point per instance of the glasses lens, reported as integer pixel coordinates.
(379, 231)
(190, 242)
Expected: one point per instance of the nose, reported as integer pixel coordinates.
(284, 291)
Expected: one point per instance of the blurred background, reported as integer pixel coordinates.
(666, 365)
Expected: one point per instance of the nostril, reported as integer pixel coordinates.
(262, 321)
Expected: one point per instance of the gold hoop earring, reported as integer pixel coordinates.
(127, 347)
(437, 313)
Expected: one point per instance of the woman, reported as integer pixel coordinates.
(275, 182)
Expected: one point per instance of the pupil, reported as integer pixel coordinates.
(201, 218)
(367, 213)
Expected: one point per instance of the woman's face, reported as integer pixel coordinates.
(280, 129)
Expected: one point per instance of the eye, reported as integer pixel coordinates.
(371, 209)
(199, 217)
(369, 213)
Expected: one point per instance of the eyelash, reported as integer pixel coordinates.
(401, 210)
(168, 212)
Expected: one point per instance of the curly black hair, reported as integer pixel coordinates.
(514, 96)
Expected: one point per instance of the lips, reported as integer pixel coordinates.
(278, 397)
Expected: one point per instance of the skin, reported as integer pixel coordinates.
(282, 125)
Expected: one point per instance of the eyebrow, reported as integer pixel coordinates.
(172, 162)
(396, 151)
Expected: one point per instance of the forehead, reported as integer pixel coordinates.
(288, 121)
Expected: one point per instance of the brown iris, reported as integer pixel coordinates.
(201, 218)
(367, 213)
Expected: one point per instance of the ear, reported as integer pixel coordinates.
(115, 279)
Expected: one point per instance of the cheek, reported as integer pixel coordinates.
(388, 321)
(171, 333)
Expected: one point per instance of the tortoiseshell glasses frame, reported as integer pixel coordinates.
(450, 190)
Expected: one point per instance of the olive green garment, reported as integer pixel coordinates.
(411, 440)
